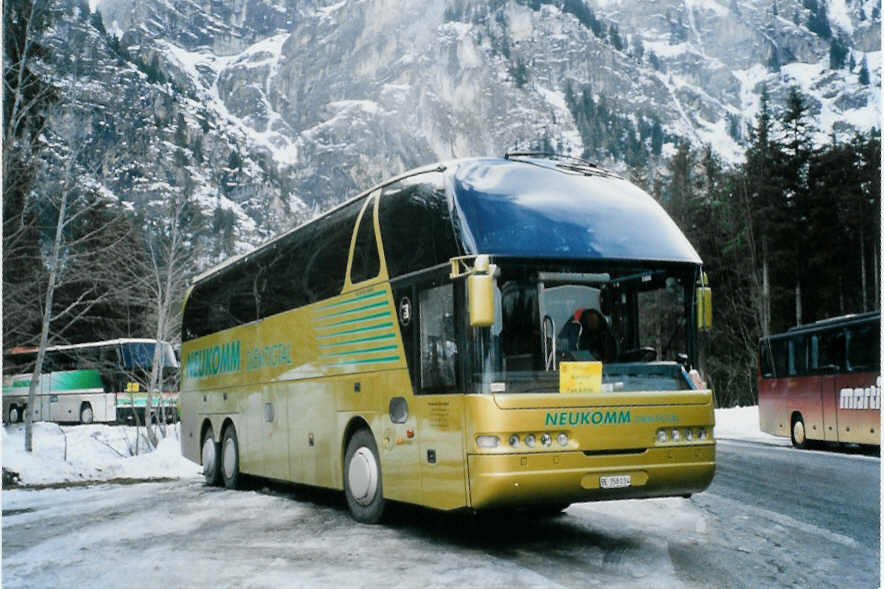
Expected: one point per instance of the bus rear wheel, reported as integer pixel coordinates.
(799, 434)
(230, 458)
(362, 478)
(211, 455)
(14, 414)
(86, 415)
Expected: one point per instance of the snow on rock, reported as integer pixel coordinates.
(90, 453)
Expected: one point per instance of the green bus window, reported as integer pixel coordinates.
(366, 261)
(438, 344)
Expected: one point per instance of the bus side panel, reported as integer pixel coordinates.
(829, 392)
(806, 393)
(313, 441)
(399, 445)
(859, 407)
(772, 415)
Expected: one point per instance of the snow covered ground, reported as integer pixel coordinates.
(102, 452)
(90, 453)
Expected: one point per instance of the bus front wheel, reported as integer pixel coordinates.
(210, 453)
(230, 458)
(86, 414)
(799, 435)
(362, 478)
(14, 414)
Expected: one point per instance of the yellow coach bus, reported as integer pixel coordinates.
(482, 333)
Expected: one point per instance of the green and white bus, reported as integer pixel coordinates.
(100, 382)
(475, 334)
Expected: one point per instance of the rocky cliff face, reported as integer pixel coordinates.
(268, 111)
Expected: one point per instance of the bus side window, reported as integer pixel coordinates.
(827, 351)
(366, 261)
(438, 345)
(766, 355)
(780, 357)
(797, 356)
(863, 348)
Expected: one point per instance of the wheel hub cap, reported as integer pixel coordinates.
(362, 476)
(208, 456)
(799, 432)
(229, 458)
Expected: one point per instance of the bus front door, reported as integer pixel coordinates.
(440, 407)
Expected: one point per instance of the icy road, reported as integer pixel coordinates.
(773, 517)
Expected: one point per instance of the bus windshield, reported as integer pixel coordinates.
(634, 320)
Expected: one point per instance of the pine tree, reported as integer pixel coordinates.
(864, 72)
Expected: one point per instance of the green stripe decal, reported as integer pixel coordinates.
(370, 295)
(385, 325)
(359, 340)
(384, 360)
(359, 352)
(357, 320)
(353, 310)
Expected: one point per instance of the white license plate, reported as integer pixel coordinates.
(615, 482)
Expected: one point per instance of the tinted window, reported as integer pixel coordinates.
(797, 356)
(303, 267)
(366, 261)
(781, 357)
(766, 353)
(438, 343)
(864, 348)
(827, 351)
(416, 225)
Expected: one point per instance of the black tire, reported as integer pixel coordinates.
(362, 479)
(799, 433)
(14, 414)
(86, 414)
(210, 451)
(230, 458)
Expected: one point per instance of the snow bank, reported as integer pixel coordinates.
(741, 423)
(90, 453)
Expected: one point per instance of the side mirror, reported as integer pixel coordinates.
(704, 303)
(480, 291)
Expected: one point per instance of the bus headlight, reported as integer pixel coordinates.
(701, 433)
(530, 440)
(487, 441)
(676, 435)
(514, 440)
(562, 439)
(688, 435)
(661, 436)
(546, 439)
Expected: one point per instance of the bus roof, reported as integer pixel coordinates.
(539, 207)
(834, 321)
(33, 349)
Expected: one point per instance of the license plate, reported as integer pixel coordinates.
(615, 482)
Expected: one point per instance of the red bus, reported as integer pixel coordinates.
(822, 381)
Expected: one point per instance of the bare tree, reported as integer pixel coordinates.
(162, 279)
(89, 232)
